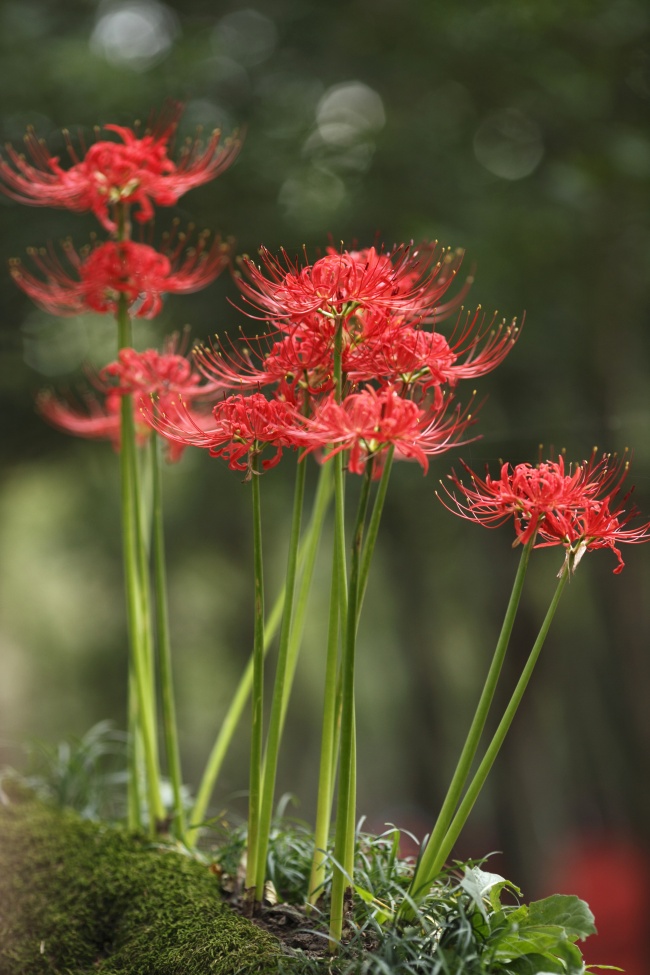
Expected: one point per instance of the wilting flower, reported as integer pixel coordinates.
(96, 278)
(405, 280)
(368, 422)
(575, 508)
(135, 171)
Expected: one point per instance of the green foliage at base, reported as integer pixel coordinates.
(80, 898)
(85, 898)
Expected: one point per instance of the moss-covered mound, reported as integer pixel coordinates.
(78, 898)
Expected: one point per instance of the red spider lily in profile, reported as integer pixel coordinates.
(240, 428)
(366, 423)
(528, 493)
(90, 416)
(97, 277)
(166, 375)
(406, 280)
(135, 171)
(574, 508)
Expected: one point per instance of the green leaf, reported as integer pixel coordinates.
(565, 910)
(382, 912)
(537, 965)
(528, 940)
(480, 884)
(365, 895)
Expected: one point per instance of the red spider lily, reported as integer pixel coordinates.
(405, 279)
(92, 418)
(302, 361)
(165, 375)
(241, 427)
(135, 171)
(526, 493)
(97, 278)
(405, 355)
(601, 523)
(366, 423)
(575, 509)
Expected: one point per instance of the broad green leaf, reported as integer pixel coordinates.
(529, 940)
(571, 955)
(537, 965)
(566, 910)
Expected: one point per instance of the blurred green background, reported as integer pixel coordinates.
(516, 130)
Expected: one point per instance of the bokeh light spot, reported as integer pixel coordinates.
(136, 34)
(508, 144)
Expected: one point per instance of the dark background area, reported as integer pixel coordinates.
(516, 130)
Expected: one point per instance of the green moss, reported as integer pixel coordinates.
(78, 898)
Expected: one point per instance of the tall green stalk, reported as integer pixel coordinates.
(307, 553)
(346, 802)
(328, 751)
(257, 701)
(276, 718)
(138, 603)
(494, 747)
(430, 856)
(306, 559)
(168, 706)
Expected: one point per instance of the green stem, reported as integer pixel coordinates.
(276, 719)
(306, 563)
(328, 735)
(351, 828)
(373, 525)
(306, 557)
(346, 792)
(134, 816)
(164, 650)
(430, 855)
(136, 578)
(258, 680)
(494, 747)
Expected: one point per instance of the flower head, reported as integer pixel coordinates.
(575, 508)
(368, 422)
(166, 375)
(602, 522)
(95, 279)
(135, 170)
(240, 428)
(341, 283)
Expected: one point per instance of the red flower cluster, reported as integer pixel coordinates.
(136, 171)
(349, 352)
(119, 275)
(354, 361)
(578, 509)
